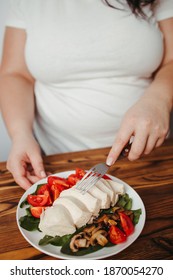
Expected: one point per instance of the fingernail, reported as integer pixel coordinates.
(43, 174)
(110, 161)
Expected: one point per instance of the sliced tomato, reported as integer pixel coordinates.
(73, 179)
(55, 191)
(44, 188)
(106, 177)
(49, 199)
(58, 180)
(116, 235)
(36, 211)
(59, 187)
(126, 223)
(46, 191)
(80, 173)
(37, 200)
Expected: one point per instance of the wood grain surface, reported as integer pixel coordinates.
(151, 177)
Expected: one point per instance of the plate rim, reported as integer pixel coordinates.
(90, 256)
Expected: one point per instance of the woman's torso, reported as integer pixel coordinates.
(91, 63)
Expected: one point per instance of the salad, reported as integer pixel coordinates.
(112, 226)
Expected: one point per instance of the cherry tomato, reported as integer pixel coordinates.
(46, 191)
(116, 236)
(37, 200)
(36, 211)
(55, 191)
(59, 187)
(126, 224)
(80, 173)
(58, 180)
(73, 179)
(106, 177)
(43, 189)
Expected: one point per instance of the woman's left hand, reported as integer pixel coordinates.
(148, 121)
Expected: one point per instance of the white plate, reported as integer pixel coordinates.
(33, 237)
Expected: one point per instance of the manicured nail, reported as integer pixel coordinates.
(42, 174)
(110, 161)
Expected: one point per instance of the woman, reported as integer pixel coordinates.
(90, 73)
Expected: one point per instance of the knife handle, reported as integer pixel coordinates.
(126, 150)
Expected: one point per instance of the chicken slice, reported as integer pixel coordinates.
(91, 203)
(101, 195)
(107, 189)
(113, 195)
(116, 186)
(56, 220)
(79, 215)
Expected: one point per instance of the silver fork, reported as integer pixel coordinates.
(97, 172)
(92, 177)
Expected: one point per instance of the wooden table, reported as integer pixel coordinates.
(151, 177)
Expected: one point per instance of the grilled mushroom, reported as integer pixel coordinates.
(104, 218)
(99, 237)
(112, 222)
(89, 230)
(79, 240)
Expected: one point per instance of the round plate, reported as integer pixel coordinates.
(33, 237)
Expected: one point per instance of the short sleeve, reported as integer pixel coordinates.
(163, 9)
(15, 16)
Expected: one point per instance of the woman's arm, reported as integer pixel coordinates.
(16, 84)
(148, 120)
(17, 107)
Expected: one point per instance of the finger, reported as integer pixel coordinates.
(19, 174)
(37, 164)
(23, 182)
(138, 145)
(32, 178)
(160, 142)
(153, 142)
(121, 140)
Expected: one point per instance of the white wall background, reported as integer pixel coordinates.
(4, 138)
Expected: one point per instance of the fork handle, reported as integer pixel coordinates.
(125, 150)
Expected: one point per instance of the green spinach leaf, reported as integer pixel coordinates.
(136, 214)
(29, 223)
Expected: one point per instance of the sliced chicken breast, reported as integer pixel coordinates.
(79, 216)
(113, 196)
(103, 187)
(116, 186)
(92, 203)
(101, 195)
(56, 220)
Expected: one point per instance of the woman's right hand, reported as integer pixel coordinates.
(25, 161)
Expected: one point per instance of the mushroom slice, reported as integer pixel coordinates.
(96, 229)
(90, 229)
(112, 222)
(102, 240)
(104, 218)
(99, 237)
(79, 241)
(115, 216)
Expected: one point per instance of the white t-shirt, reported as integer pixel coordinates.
(91, 63)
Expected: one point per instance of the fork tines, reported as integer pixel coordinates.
(91, 177)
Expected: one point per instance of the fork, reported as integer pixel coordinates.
(97, 172)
